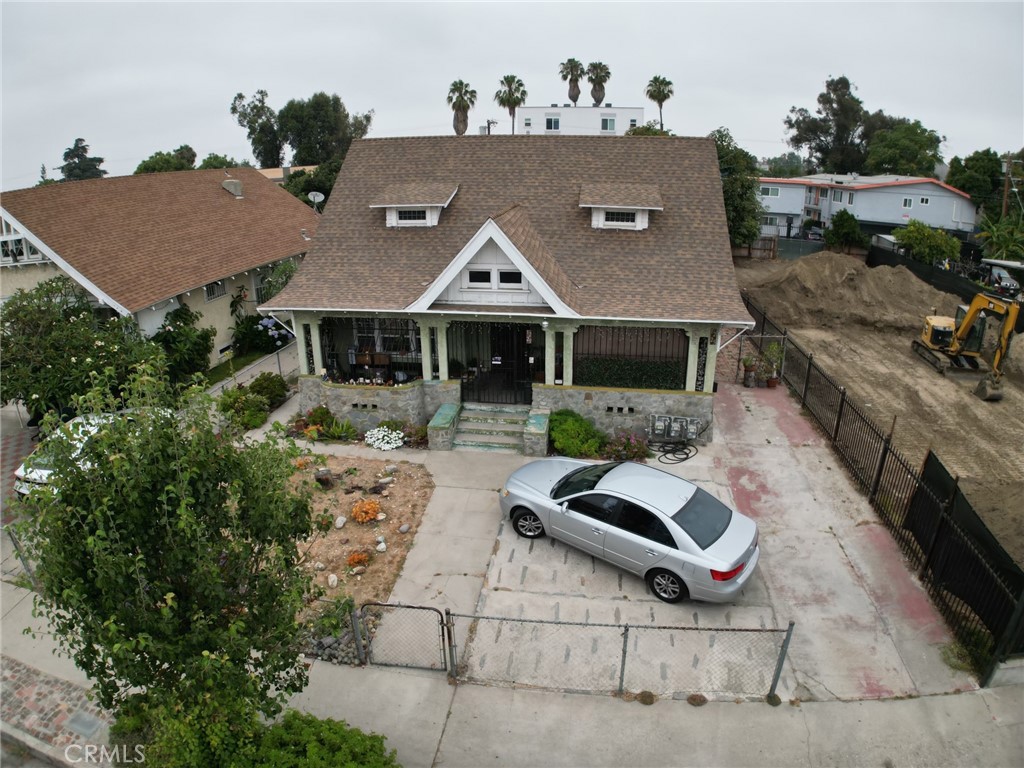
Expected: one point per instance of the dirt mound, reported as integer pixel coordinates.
(833, 290)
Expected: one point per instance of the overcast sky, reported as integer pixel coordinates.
(135, 78)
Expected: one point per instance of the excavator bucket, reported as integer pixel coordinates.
(989, 389)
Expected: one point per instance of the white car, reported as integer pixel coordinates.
(35, 471)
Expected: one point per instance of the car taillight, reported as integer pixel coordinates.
(726, 575)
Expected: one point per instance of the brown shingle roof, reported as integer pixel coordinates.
(415, 193)
(680, 268)
(516, 224)
(142, 239)
(605, 195)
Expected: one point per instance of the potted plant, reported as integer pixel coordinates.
(749, 363)
(772, 357)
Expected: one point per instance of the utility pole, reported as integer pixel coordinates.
(495, 122)
(1007, 166)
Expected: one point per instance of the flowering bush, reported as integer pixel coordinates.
(357, 559)
(627, 446)
(384, 439)
(365, 510)
(252, 333)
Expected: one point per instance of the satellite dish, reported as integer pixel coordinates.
(316, 197)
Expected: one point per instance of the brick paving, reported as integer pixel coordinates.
(15, 445)
(47, 708)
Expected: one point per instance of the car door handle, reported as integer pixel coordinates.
(597, 531)
(651, 552)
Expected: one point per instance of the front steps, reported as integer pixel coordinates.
(496, 428)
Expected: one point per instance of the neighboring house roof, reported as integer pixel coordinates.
(679, 268)
(280, 175)
(856, 181)
(139, 240)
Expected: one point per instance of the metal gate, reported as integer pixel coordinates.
(405, 636)
(497, 362)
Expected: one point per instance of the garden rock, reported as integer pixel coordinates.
(324, 477)
(386, 481)
(339, 523)
(359, 570)
(380, 539)
(404, 528)
(320, 566)
(390, 468)
(382, 547)
(332, 581)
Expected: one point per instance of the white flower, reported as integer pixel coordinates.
(88, 360)
(35, 397)
(384, 439)
(74, 359)
(99, 343)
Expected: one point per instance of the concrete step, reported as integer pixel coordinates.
(508, 442)
(491, 427)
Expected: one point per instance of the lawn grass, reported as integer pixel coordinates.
(228, 368)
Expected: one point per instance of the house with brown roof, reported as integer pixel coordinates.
(145, 245)
(591, 273)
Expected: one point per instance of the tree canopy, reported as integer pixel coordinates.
(785, 166)
(167, 557)
(53, 340)
(572, 71)
(650, 128)
(840, 133)
(844, 232)
(511, 96)
(222, 161)
(931, 246)
(260, 122)
(659, 90)
(907, 149)
(78, 165)
(980, 175)
(301, 183)
(598, 74)
(181, 159)
(461, 98)
(320, 128)
(740, 188)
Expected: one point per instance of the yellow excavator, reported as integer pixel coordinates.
(952, 344)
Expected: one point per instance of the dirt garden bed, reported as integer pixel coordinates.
(394, 496)
(859, 324)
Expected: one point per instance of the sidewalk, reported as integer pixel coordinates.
(864, 684)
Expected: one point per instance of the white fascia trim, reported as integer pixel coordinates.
(490, 231)
(617, 207)
(71, 272)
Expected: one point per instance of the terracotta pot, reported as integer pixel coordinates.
(773, 382)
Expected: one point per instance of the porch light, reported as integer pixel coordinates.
(544, 325)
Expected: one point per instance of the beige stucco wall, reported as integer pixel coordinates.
(25, 277)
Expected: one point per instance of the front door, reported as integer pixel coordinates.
(497, 362)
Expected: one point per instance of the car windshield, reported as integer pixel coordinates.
(704, 518)
(582, 479)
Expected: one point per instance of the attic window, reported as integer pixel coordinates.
(215, 290)
(412, 214)
(620, 217)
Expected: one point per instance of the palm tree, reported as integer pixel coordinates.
(461, 99)
(659, 90)
(1004, 238)
(572, 70)
(597, 75)
(512, 94)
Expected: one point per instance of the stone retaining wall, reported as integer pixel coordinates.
(366, 407)
(611, 409)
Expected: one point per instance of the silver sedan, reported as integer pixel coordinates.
(679, 538)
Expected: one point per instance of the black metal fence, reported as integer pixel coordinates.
(636, 358)
(975, 584)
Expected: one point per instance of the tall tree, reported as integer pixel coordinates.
(78, 165)
(597, 75)
(908, 149)
(511, 96)
(320, 128)
(168, 563)
(53, 342)
(572, 70)
(260, 122)
(980, 175)
(44, 180)
(659, 90)
(740, 186)
(461, 99)
(784, 166)
(301, 183)
(1004, 237)
(649, 128)
(222, 161)
(832, 135)
(181, 159)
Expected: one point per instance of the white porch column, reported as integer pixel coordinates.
(425, 350)
(300, 342)
(691, 359)
(568, 335)
(442, 350)
(314, 337)
(709, 374)
(549, 355)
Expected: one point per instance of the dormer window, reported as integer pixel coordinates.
(416, 204)
(620, 205)
(406, 215)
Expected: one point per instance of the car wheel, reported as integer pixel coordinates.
(667, 586)
(527, 524)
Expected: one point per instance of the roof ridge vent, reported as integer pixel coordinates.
(234, 186)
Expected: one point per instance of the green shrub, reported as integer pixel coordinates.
(304, 741)
(328, 426)
(627, 373)
(625, 445)
(272, 386)
(243, 408)
(574, 436)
